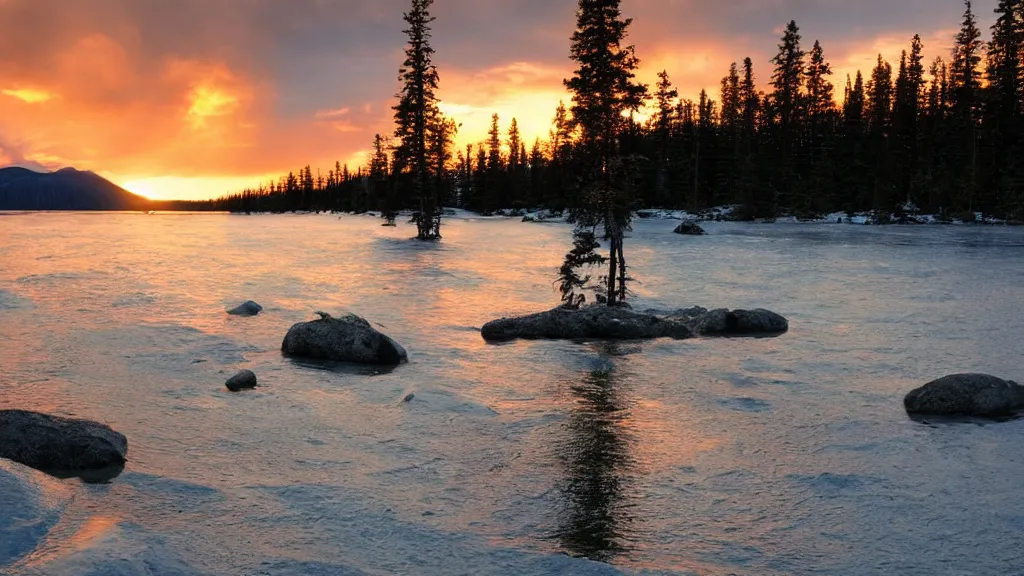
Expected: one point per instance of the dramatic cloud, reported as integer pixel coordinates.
(195, 97)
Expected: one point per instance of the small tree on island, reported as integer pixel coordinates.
(417, 118)
(570, 283)
(603, 90)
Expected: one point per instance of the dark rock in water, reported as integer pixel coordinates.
(249, 308)
(346, 339)
(62, 447)
(724, 322)
(620, 323)
(690, 229)
(967, 395)
(585, 323)
(244, 380)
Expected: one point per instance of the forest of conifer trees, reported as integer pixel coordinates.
(942, 137)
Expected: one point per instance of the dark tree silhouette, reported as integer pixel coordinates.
(603, 88)
(787, 81)
(947, 141)
(415, 116)
(964, 92)
(1004, 108)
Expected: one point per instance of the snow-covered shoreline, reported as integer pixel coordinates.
(720, 214)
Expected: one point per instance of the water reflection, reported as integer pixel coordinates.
(594, 520)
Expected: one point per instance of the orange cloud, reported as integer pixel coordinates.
(29, 95)
(526, 91)
(209, 102)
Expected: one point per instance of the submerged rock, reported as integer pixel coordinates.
(966, 395)
(346, 339)
(619, 323)
(62, 447)
(690, 229)
(249, 308)
(244, 380)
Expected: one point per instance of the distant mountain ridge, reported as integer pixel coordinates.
(65, 189)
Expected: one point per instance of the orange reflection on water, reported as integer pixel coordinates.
(86, 536)
(667, 437)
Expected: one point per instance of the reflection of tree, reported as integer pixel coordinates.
(597, 461)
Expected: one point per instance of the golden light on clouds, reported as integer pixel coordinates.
(207, 102)
(29, 95)
(526, 91)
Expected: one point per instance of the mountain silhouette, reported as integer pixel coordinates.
(65, 189)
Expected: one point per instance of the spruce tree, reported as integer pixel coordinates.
(665, 99)
(538, 168)
(749, 192)
(515, 142)
(516, 166)
(855, 171)
(819, 124)
(562, 185)
(787, 81)
(907, 100)
(853, 105)
(879, 115)
(439, 153)
(1004, 110)
(496, 189)
(731, 126)
(570, 282)
(820, 98)
(379, 181)
(603, 89)
(965, 92)
(415, 115)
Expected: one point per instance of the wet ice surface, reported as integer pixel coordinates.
(774, 456)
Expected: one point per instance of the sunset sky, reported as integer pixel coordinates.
(195, 98)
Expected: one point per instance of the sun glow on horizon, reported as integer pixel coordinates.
(190, 187)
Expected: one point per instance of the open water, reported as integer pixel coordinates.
(779, 456)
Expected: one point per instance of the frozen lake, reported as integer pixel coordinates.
(753, 457)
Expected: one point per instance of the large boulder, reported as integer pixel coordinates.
(249, 308)
(244, 380)
(62, 447)
(690, 229)
(978, 395)
(346, 339)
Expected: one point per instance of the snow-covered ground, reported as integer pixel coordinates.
(910, 215)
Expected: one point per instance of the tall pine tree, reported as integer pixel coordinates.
(603, 89)
(1004, 108)
(415, 116)
(787, 81)
(965, 93)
